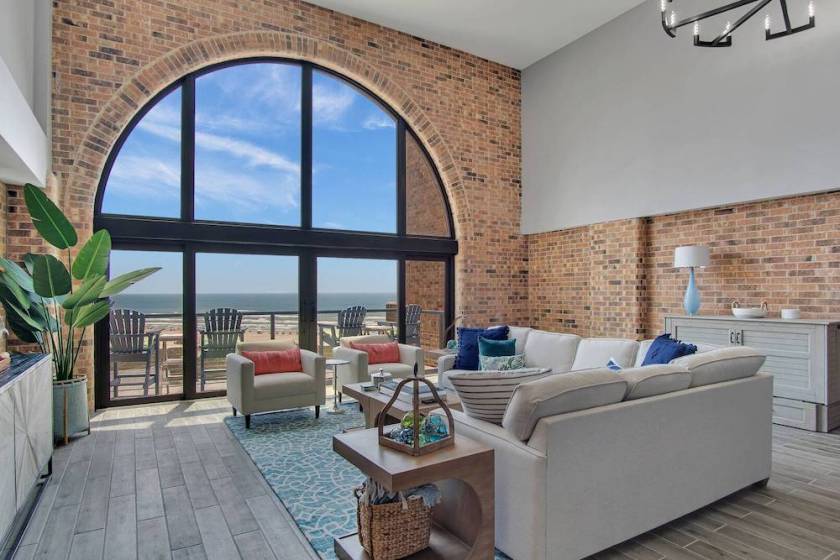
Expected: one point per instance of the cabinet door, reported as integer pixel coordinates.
(795, 357)
(32, 398)
(700, 331)
(8, 496)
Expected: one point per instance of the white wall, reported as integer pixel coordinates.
(25, 67)
(627, 122)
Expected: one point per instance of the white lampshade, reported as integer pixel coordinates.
(691, 256)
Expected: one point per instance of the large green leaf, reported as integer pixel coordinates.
(22, 330)
(29, 262)
(11, 288)
(48, 219)
(48, 322)
(50, 277)
(123, 281)
(87, 293)
(19, 314)
(18, 274)
(93, 256)
(89, 314)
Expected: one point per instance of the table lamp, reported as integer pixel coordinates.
(691, 257)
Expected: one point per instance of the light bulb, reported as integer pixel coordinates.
(767, 22)
(673, 18)
(811, 9)
(696, 28)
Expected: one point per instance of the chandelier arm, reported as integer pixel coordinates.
(711, 13)
(785, 14)
(754, 10)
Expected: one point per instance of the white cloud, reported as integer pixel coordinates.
(375, 122)
(142, 176)
(252, 154)
(244, 195)
(329, 104)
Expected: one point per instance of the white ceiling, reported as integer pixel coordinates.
(516, 33)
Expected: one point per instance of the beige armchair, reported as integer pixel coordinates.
(250, 394)
(359, 370)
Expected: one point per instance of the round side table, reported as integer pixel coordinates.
(334, 363)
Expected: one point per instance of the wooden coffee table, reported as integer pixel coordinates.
(373, 402)
(463, 523)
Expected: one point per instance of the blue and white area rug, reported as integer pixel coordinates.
(293, 451)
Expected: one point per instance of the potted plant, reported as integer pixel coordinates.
(52, 304)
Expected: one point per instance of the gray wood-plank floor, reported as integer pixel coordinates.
(169, 481)
(156, 482)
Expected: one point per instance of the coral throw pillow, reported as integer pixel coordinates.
(275, 361)
(382, 353)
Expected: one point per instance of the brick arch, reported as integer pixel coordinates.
(137, 91)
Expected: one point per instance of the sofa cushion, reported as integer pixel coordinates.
(597, 352)
(402, 371)
(485, 395)
(275, 361)
(664, 349)
(655, 380)
(644, 346)
(558, 394)
(280, 385)
(379, 352)
(520, 334)
(348, 341)
(494, 348)
(721, 364)
(501, 363)
(467, 357)
(551, 350)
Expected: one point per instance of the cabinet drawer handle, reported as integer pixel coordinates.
(731, 337)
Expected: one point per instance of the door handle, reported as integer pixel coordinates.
(731, 336)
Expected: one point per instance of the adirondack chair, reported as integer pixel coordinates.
(131, 342)
(351, 322)
(412, 324)
(222, 330)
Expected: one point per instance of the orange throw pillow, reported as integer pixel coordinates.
(382, 353)
(275, 361)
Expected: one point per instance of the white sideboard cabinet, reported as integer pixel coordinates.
(26, 439)
(803, 356)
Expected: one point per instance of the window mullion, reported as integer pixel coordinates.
(306, 148)
(188, 150)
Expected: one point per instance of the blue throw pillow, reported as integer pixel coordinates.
(664, 349)
(496, 348)
(467, 357)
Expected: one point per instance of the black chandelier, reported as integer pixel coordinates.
(670, 23)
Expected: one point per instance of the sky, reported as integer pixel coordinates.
(247, 169)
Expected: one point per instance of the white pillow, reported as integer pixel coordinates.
(558, 394)
(485, 394)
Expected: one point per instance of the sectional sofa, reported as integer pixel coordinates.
(587, 458)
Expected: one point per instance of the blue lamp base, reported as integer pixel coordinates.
(691, 302)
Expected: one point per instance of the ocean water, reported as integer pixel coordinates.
(172, 303)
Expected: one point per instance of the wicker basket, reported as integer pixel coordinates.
(394, 530)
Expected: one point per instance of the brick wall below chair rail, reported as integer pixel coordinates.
(617, 278)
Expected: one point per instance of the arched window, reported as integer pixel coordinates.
(281, 190)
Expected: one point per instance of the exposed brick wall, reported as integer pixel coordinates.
(109, 58)
(425, 206)
(425, 286)
(617, 278)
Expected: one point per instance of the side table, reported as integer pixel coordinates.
(464, 521)
(334, 363)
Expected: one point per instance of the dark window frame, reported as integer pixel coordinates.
(189, 236)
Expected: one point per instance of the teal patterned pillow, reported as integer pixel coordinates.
(501, 363)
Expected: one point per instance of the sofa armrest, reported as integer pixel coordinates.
(412, 355)
(358, 362)
(314, 365)
(240, 381)
(445, 363)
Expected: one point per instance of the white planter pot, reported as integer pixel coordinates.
(70, 408)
